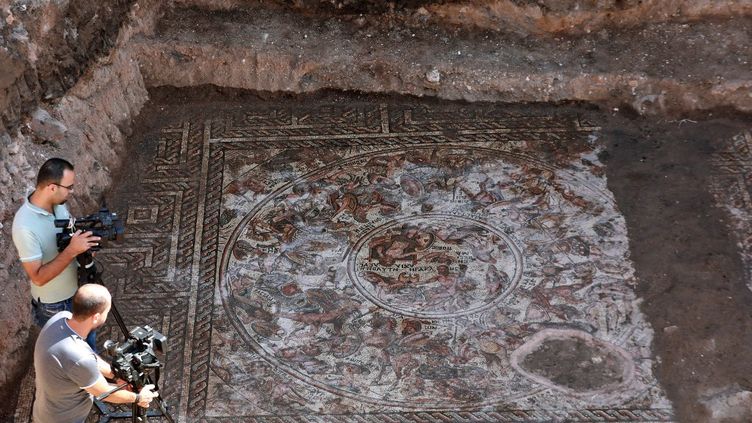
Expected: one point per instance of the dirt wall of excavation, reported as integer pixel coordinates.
(66, 90)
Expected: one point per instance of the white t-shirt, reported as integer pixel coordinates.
(35, 237)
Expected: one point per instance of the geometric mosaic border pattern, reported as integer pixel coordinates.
(524, 416)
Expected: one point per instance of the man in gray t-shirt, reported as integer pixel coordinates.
(68, 373)
(65, 366)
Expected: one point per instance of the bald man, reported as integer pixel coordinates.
(68, 373)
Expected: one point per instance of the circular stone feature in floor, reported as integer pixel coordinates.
(574, 362)
(435, 266)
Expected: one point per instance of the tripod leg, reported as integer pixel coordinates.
(104, 418)
(163, 409)
(90, 274)
(138, 414)
(119, 320)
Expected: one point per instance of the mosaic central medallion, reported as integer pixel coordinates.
(435, 266)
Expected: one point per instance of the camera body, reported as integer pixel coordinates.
(134, 358)
(104, 224)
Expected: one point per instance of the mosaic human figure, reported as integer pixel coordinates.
(323, 306)
(496, 280)
(405, 246)
(487, 193)
(382, 332)
(360, 202)
(306, 358)
(391, 284)
(382, 169)
(262, 321)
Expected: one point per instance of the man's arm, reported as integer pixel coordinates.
(40, 273)
(122, 396)
(105, 368)
(86, 373)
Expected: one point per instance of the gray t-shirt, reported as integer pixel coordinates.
(64, 365)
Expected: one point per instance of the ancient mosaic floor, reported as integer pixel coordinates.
(732, 189)
(384, 262)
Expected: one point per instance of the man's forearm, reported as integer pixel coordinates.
(49, 271)
(121, 397)
(105, 368)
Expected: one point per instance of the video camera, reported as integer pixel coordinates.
(104, 224)
(132, 359)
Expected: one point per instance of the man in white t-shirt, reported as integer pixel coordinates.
(53, 274)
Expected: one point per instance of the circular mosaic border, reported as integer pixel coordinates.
(357, 280)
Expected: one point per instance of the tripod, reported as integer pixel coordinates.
(88, 273)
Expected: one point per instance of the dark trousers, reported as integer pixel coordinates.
(42, 312)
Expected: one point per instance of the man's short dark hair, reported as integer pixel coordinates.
(52, 170)
(87, 304)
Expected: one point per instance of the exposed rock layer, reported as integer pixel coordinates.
(87, 126)
(666, 68)
(49, 45)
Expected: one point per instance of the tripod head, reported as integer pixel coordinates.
(133, 362)
(137, 356)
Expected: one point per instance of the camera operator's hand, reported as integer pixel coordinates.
(146, 395)
(81, 242)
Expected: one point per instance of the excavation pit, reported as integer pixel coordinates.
(361, 256)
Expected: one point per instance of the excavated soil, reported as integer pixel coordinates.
(664, 67)
(685, 246)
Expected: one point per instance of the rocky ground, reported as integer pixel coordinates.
(665, 67)
(671, 81)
